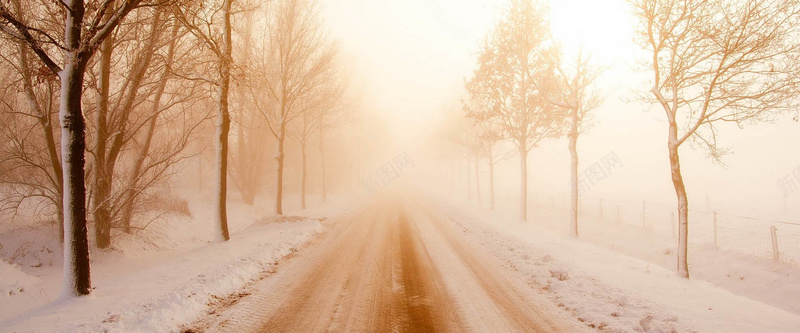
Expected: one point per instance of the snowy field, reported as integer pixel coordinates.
(155, 280)
(628, 288)
(742, 272)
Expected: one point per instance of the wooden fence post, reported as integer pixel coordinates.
(774, 233)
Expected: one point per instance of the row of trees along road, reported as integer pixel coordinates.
(134, 85)
(524, 92)
(712, 62)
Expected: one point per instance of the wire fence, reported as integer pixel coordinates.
(760, 237)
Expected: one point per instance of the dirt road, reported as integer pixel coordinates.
(393, 267)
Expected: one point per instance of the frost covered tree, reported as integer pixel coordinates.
(715, 62)
(85, 29)
(577, 97)
(514, 77)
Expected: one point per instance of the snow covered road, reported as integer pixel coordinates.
(390, 267)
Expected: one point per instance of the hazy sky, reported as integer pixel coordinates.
(411, 57)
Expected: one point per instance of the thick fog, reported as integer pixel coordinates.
(411, 59)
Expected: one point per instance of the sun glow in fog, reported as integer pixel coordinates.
(412, 56)
(603, 28)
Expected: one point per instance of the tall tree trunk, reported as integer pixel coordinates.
(223, 125)
(683, 202)
(322, 164)
(102, 185)
(478, 180)
(303, 175)
(523, 172)
(279, 180)
(77, 279)
(491, 179)
(573, 172)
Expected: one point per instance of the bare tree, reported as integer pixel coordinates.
(338, 103)
(463, 132)
(249, 166)
(31, 162)
(309, 124)
(487, 133)
(119, 119)
(83, 33)
(295, 62)
(128, 158)
(200, 21)
(160, 135)
(715, 62)
(26, 172)
(577, 97)
(115, 118)
(513, 80)
(489, 137)
(327, 101)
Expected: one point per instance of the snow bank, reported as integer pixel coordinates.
(611, 291)
(174, 292)
(14, 283)
(761, 279)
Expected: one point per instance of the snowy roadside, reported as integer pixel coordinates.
(611, 291)
(174, 292)
(31, 258)
(758, 278)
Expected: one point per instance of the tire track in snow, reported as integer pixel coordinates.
(387, 268)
